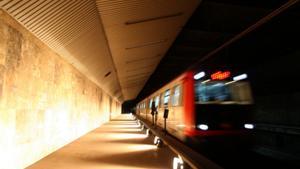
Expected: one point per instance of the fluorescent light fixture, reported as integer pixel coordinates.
(240, 77)
(203, 127)
(199, 75)
(249, 126)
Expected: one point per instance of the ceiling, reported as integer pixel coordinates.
(213, 24)
(139, 33)
(116, 43)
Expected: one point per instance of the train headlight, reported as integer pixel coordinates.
(249, 126)
(203, 126)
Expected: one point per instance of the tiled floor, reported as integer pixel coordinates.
(117, 144)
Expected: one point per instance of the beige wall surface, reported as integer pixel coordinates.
(45, 103)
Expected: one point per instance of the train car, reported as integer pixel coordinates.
(201, 105)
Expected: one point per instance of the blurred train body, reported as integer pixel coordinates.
(211, 106)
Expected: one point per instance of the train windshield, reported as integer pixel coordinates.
(222, 92)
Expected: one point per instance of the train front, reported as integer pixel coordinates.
(222, 104)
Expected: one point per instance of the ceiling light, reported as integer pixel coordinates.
(240, 77)
(199, 75)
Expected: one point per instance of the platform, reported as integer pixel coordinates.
(117, 144)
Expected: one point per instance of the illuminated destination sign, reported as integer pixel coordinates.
(220, 75)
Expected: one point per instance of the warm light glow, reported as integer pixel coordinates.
(220, 75)
(240, 77)
(177, 161)
(9, 149)
(141, 147)
(127, 148)
(125, 126)
(199, 75)
(180, 125)
(142, 128)
(203, 127)
(123, 136)
(147, 132)
(126, 130)
(156, 140)
(249, 126)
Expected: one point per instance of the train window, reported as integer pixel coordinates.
(167, 97)
(161, 100)
(150, 103)
(176, 95)
(156, 101)
(223, 93)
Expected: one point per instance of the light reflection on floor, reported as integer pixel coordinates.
(118, 144)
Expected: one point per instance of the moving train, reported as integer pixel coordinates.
(201, 105)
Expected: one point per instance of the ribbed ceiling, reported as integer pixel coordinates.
(139, 33)
(72, 29)
(116, 43)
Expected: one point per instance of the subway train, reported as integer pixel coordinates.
(201, 105)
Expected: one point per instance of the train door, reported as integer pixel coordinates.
(175, 123)
(165, 105)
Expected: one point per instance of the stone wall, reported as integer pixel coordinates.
(45, 103)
